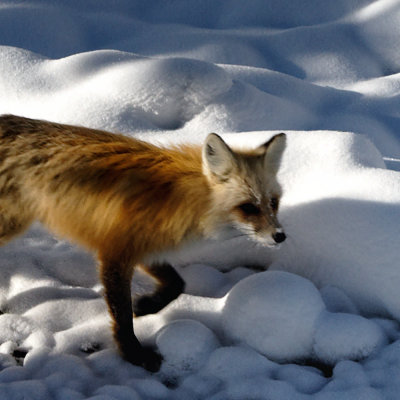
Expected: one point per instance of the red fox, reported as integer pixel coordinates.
(129, 201)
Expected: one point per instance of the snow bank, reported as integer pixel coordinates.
(344, 217)
(278, 68)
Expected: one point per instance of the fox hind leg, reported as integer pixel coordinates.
(169, 286)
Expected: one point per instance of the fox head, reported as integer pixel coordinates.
(245, 191)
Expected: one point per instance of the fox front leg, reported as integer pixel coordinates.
(116, 279)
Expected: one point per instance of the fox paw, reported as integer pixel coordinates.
(151, 360)
(147, 305)
(147, 358)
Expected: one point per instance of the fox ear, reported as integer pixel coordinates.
(273, 152)
(218, 158)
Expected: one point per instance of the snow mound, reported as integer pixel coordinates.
(289, 321)
(342, 336)
(185, 346)
(282, 310)
(138, 92)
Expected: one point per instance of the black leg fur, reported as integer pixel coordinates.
(169, 286)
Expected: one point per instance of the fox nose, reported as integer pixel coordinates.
(279, 237)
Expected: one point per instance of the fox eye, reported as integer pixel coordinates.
(249, 209)
(274, 203)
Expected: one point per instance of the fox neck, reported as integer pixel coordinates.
(193, 198)
(179, 209)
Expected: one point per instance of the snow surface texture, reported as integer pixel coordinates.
(322, 322)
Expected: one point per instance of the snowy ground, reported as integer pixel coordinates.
(323, 321)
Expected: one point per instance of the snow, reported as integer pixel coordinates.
(185, 345)
(282, 310)
(341, 336)
(322, 321)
